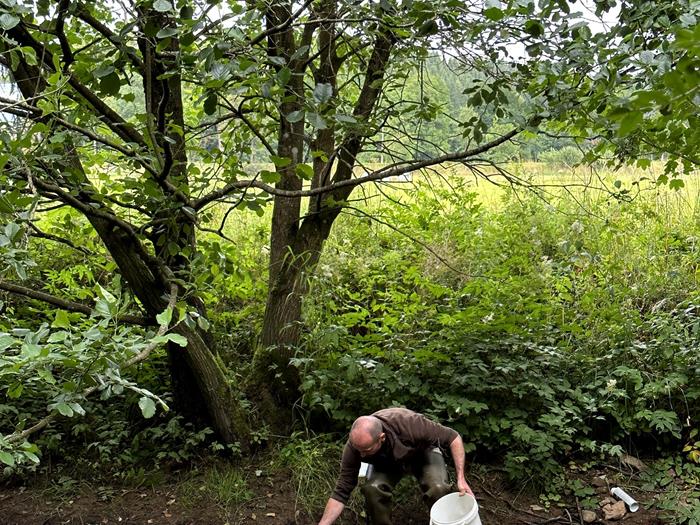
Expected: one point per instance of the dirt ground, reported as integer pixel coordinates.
(274, 502)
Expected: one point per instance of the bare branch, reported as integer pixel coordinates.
(65, 304)
(51, 237)
(84, 207)
(84, 15)
(102, 110)
(392, 170)
(62, 11)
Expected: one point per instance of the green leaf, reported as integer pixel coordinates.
(29, 55)
(281, 162)
(270, 177)
(187, 12)
(429, 27)
(283, 76)
(167, 32)
(7, 458)
(323, 93)
(77, 408)
(147, 406)
(15, 391)
(165, 317)
(494, 13)
(187, 39)
(210, 104)
(32, 457)
(629, 123)
(8, 21)
(162, 5)
(203, 323)
(177, 339)
(676, 184)
(103, 71)
(61, 320)
(304, 171)
(6, 341)
(317, 121)
(564, 6)
(106, 295)
(64, 409)
(345, 118)
(278, 61)
(294, 116)
(534, 28)
(110, 84)
(103, 309)
(46, 375)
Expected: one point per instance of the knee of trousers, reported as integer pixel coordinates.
(438, 490)
(375, 488)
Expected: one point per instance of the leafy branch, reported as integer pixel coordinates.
(164, 326)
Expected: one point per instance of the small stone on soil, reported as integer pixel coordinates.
(633, 462)
(589, 516)
(614, 512)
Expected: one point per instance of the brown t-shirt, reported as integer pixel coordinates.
(407, 433)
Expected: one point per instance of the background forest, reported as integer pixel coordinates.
(230, 228)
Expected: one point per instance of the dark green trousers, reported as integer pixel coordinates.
(431, 473)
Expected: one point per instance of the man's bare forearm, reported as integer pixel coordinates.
(333, 509)
(457, 451)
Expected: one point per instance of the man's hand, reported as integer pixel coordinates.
(464, 488)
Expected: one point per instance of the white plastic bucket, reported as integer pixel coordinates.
(454, 509)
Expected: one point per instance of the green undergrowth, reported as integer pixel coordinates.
(547, 329)
(544, 330)
(224, 484)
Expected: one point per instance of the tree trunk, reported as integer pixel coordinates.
(274, 384)
(282, 322)
(150, 287)
(229, 418)
(204, 377)
(296, 243)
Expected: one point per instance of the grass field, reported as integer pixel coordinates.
(591, 189)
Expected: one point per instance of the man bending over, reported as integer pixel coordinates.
(396, 441)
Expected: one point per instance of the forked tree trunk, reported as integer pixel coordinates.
(296, 242)
(281, 330)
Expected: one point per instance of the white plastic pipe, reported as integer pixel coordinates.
(629, 500)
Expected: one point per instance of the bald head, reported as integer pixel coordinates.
(365, 431)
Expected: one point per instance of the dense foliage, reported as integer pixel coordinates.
(548, 332)
(192, 218)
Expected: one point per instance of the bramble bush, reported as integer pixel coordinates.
(564, 331)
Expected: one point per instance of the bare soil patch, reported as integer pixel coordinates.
(273, 501)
